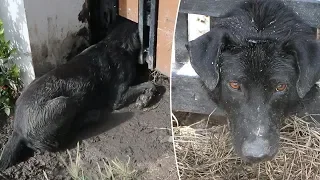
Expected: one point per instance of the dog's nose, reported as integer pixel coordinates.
(257, 150)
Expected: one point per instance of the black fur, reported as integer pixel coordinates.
(52, 106)
(259, 44)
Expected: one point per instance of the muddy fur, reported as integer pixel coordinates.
(53, 107)
(259, 44)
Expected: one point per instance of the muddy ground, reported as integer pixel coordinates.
(142, 135)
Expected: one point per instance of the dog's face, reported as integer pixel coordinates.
(255, 82)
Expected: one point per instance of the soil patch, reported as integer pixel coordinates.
(144, 136)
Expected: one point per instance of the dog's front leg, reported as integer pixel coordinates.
(141, 94)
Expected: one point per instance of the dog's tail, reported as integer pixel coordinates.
(14, 152)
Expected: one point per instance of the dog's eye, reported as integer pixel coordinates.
(234, 85)
(281, 87)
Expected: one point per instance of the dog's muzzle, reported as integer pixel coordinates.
(258, 150)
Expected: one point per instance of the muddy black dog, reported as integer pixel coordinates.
(51, 106)
(257, 62)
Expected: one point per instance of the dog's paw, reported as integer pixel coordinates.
(144, 99)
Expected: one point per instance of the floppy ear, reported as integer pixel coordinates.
(307, 54)
(204, 54)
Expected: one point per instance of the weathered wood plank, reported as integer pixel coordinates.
(188, 95)
(129, 9)
(167, 15)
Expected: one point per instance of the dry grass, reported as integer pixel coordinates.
(109, 170)
(208, 154)
(117, 170)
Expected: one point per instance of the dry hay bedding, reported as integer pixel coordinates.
(208, 153)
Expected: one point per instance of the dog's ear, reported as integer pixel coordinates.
(204, 53)
(307, 54)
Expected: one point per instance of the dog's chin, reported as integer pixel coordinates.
(255, 160)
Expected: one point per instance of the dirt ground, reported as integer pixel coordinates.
(142, 135)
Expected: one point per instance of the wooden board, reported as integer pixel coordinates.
(188, 95)
(167, 13)
(167, 16)
(129, 9)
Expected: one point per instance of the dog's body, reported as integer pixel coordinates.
(51, 106)
(257, 63)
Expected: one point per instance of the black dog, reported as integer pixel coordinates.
(51, 107)
(257, 62)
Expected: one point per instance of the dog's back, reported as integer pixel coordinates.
(96, 64)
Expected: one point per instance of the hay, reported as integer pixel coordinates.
(208, 154)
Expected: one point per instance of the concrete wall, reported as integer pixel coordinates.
(53, 26)
(12, 13)
(45, 32)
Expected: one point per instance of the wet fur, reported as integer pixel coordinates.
(52, 107)
(259, 44)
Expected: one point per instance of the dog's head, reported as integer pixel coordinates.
(255, 81)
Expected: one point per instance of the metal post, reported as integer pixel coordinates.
(153, 34)
(141, 24)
